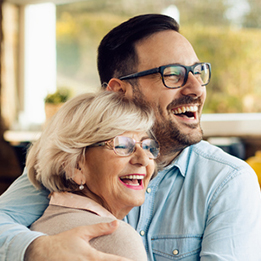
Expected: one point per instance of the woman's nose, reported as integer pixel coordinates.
(140, 156)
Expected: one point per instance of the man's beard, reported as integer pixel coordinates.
(170, 137)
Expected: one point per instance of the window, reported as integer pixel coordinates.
(225, 33)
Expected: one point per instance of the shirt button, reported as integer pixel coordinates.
(142, 233)
(148, 190)
(175, 252)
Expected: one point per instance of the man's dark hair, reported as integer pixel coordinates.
(116, 52)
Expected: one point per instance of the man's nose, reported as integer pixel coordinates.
(192, 87)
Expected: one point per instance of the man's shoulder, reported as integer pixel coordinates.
(208, 162)
(203, 160)
(206, 152)
(212, 168)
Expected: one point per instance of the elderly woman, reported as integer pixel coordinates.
(96, 157)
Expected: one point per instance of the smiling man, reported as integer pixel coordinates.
(177, 102)
(204, 204)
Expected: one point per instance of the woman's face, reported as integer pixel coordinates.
(118, 183)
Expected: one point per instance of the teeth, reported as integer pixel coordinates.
(132, 177)
(134, 185)
(184, 109)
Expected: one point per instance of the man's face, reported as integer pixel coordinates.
(177, 111)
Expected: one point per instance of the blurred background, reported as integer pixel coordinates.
(48, 54)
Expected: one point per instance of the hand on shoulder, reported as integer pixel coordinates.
(72, 245)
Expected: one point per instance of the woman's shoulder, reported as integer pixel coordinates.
(125, 241)
(57, 219)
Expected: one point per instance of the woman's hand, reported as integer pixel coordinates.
(72, 245)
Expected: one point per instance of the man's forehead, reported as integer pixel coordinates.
(162, 48)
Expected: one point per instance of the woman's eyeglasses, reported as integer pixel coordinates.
(125, 146)
(176, 75)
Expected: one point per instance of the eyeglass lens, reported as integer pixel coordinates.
(125, 146)
(175, 75)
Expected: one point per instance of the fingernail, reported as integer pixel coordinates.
(113, 223)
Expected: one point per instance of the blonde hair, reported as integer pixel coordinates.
(82, 121)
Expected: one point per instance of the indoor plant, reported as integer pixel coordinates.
(54, 101)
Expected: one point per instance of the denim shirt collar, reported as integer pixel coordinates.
(181, 161)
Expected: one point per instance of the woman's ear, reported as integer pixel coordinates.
(78, 176)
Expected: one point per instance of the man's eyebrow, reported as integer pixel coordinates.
(145, 137)
(197, 62)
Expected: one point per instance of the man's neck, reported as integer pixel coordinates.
(165, 159)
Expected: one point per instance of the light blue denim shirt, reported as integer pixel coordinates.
(205, 206)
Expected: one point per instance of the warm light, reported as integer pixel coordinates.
(39, 61)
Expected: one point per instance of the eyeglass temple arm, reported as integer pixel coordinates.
(103, 143)
(98, 144)
(139, 74)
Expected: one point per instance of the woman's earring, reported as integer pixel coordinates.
(81, 187)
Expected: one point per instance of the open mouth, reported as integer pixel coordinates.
(186, 111)
(133, 181)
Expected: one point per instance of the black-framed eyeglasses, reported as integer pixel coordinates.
(175, 75)
(125, 146)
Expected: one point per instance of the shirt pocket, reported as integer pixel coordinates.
(176, 248)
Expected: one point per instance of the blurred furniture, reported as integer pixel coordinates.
(20, 141)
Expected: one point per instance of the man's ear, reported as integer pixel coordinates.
(116, 85)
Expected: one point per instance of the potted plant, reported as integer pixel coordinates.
(54, 101)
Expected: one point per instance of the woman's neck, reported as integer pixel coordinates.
(118, 212)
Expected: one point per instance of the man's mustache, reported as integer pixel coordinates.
(184, 100)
